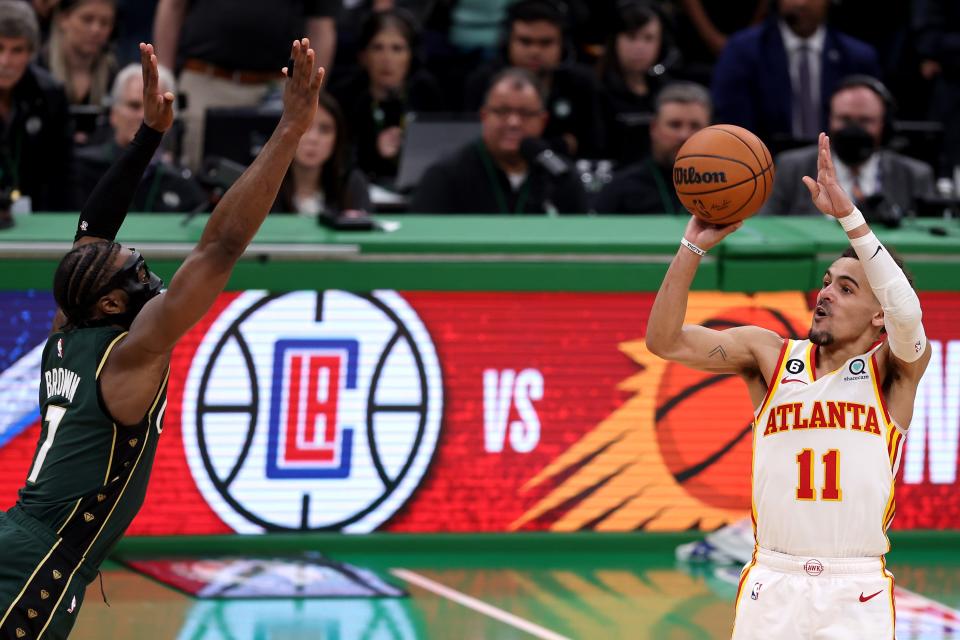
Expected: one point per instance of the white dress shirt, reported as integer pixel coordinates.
(867, 176)
(792, 43)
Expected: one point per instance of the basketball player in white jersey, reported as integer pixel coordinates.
(831, 415)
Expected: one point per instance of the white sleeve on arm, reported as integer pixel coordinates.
(901, 306)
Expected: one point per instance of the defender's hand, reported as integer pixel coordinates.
(828, 196)
(157, 107)
(706, 236)
(302, 94)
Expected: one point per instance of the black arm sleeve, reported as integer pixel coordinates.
(105, 209)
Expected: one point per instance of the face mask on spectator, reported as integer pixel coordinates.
(852, 144)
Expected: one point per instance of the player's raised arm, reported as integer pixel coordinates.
(729, 351)
(106, 207)
(232, 225)
(902, 316)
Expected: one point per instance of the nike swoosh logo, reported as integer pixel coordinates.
(872, 595)
(879, 249)
(786, 380)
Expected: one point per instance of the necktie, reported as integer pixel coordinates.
(808, 121)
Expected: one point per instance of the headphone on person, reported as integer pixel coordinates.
(889, 102)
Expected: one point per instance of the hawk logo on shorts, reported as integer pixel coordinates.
(755, 593)
(813, 567)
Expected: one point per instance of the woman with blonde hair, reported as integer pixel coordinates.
(78, 53)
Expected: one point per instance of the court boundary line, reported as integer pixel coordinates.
(477, 605)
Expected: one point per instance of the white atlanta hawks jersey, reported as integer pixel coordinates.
(825, 454)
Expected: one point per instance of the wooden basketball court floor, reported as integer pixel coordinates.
(507, 586)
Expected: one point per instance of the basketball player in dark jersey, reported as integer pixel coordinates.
(105, 365)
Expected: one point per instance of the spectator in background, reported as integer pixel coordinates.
(44, 9)
(495, 174)
(704, 26)
(320, 180)
(634, 65)
(228, 51)
(535, 31)
(938, 41)
(682, 109)
(882, 183)
(35, 142)
(78, 53)
(389, 86)
(165, 187)
(776, 79)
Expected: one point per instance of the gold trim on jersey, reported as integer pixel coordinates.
(775, 382)
(72, 512)
(113, 445)
(106, 353)
(811, 364)
(27, 583)
(146, 440)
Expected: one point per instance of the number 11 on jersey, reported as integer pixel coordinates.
(831, 480)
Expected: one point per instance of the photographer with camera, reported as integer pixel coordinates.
(884, 184)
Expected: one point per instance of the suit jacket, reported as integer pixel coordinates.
(751, 81)
(902, 180)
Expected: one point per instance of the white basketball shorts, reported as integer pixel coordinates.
(793, 598)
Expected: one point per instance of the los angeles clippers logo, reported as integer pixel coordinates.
(312, 410)
(305, 437)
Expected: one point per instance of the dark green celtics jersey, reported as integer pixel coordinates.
(89, 475)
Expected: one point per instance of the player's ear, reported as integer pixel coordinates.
(877, 319)
(112, 303)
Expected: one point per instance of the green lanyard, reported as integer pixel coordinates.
(497, 188)
(665, 198)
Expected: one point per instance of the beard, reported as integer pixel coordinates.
(820, 338)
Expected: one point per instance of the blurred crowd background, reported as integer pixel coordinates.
(484, 106)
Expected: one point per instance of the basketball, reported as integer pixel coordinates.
(704, 420)
(723, 174)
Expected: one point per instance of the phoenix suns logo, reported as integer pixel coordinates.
(677, 453)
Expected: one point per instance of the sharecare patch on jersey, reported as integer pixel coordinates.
(822, 415)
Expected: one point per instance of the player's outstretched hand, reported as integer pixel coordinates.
(705, 235)
(302, 93)
(828, 196)
(157, 107)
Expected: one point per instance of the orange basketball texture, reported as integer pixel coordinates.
(723, 173)
(703, 420)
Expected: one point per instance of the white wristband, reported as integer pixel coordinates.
(852, 220)
(689, 245)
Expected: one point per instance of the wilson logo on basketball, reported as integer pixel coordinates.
(680, 445)
(689, 175)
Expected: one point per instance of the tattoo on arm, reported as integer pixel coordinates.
(718, 350)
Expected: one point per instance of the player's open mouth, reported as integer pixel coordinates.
(820, 312)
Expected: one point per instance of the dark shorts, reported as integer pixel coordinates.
(42, 582)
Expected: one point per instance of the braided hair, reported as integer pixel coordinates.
(82, 273)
